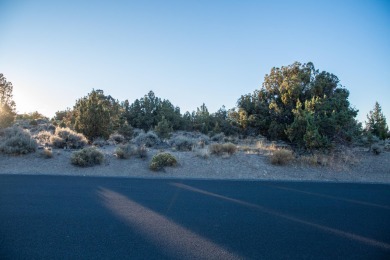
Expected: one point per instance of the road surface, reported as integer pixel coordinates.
(54, 217)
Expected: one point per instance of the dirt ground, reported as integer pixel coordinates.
(365, 168)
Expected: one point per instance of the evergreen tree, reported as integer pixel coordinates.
(376, 123)
(96, 115)
(163, 128)
(7, 105)
(297, 103)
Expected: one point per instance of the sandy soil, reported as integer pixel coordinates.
(369, 168)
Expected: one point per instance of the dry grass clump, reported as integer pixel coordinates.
(281, 157)
(47, 153)
(219, 149)
(149, 139)
(17, 141)
(128, 150)
(183, 143)
(161, 160)
(67, 138)
(89, 156)
(339, 159)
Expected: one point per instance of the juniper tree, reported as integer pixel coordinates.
(376, 123)
(7, 105)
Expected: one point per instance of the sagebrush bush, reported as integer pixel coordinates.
(219, 149)
(149, 139)
(43, 137)
(182, 143)
(218, 137)
(67, 138)
(116, 138)
(99, 142)
(125, 151)
(128, 150)
(16, 141)
(281, 157)
(202, 152)
(162, 160)
(376, 149)
(89, 156)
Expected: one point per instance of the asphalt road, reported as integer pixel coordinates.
(48, 217)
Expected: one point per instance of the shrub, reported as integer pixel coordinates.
(43, 137)
(229, 148)
(142, 152)
(182, 143)
(281, 157)
(218, 137)
(127, 150)
(149, 139)
(162, 160)
(163, 128)
(202, 153)
(87, 157)
(47, 153)
(376, 149)
(116, 138)
(126, 130)
(65, 137)
(219, 149)
(99, 142)
(16, 141)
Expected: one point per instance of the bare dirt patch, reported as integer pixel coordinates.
(241, 165)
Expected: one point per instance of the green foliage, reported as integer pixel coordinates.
(281, 157)
(147, 112)
(376, 123)
(7, 105)
(86, 157)
(302, 105)
(161, 160)
(163, 128)
(67, 138)
(15, 141)
(31, 116)
(64, 118)
(202, 119)
(97, 115)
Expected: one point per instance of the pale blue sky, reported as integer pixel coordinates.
(189, 52)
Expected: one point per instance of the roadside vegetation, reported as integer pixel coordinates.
(87, 157)
(161, 160)
(299, 115)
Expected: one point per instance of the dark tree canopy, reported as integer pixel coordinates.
(96, 115)
(376, 122)
(7, 105)
(297, 103)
